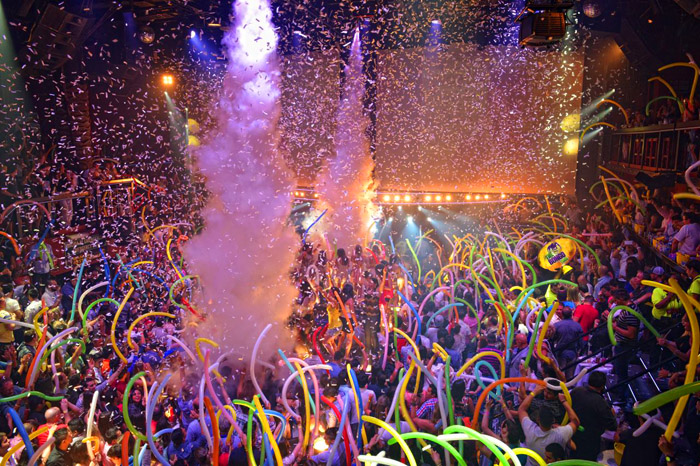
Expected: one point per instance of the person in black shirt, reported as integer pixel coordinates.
(595, 414)
(626, 327)
(59, 455)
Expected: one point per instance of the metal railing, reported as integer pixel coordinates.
(652, 148)
(24, 218)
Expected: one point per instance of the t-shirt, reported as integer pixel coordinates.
(50, 298)
(67, 297)
(586, 315)
(32, 309)
(659, 295)
(536, 439)
(694, 287)
(642, 450)
(368, 397)
(6, 334)
(689, 238)
(625, 320)
(386, 436)
(12, 305)
(43, 437)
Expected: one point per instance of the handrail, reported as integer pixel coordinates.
(90, 195)
(678, 126)
(607, 347)
(41, 200)
(60, 197)
(124, 180)
(640, 374)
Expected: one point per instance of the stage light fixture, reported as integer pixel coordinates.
(468, 197)
(486, 196)
(448, 198)
(167, 79)
(428, 198)
(397, 198)
(543, 22)
(387, 198)
(503, 195)
(316, 195)
(407, 198)
(438, 198)
(193, 34)
(478, 197)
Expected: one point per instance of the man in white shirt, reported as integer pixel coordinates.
(539, 435)
(33, 307)
(52, 294)
(11, 304)
(687, 239)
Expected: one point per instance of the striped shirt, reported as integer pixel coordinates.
(427, 409)
(625, 320)
(493, 360)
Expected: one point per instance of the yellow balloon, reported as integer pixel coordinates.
(571, 123)
(193, 141)
(556, 254)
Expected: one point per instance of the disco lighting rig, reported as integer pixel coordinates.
(543, 22)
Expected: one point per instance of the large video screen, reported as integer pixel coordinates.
(477, 118)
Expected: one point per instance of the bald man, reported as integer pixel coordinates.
(519, 353)
(54, 417)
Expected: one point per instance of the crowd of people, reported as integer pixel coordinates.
(395, 337)
(665, 112)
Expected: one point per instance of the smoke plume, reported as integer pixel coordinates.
(244, 254)
(345, 183)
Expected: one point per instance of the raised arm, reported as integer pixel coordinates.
(574, 421)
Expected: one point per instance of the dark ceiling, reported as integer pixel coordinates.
(48, 32)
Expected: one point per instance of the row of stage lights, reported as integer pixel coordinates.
(436, 198)
(419, 198)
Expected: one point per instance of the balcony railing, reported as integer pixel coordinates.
(652, 148)
(109, 198)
